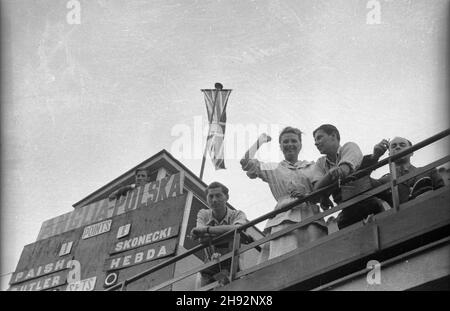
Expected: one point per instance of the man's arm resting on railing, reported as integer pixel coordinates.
(212, 231)
(332, 176)
(219, 230)
(341, 171)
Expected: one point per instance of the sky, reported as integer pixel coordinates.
(86, 99)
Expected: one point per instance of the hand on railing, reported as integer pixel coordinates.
(298, 194)
(200, 233)
(215, 256)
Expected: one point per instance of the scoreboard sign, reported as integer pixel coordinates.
(127, 243)
(146, 196)
(82, 285)
(96, 229)
(41, 270)
(145, 239)
(43, 283)
(141, 255)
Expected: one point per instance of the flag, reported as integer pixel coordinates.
(216, 104)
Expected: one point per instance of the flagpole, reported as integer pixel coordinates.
(218, 88)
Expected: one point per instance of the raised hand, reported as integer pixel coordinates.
(250, 154)
(380, 148)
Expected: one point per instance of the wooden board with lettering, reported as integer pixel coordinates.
(142, 254)
(151, 228)
(145, 239)
(42, 283)
(146, 196)
(82, 285)
(96, 229)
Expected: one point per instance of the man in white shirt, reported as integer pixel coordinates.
(340, 161)
(213, 222)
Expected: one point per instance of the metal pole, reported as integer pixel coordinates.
(203, 159)
(235, 257)
(394, 186)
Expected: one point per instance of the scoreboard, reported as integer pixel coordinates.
(103, 243)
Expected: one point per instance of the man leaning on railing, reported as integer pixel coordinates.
(413, 187)
(340, 161)
(213, 222)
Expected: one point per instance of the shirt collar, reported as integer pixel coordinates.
(225, 219)
(295, 166)
(405, 169)
(329, 162)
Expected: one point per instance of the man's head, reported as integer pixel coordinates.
(290, 140)
(216, 196)
(326, 139)
(399, 144)
(141, 176)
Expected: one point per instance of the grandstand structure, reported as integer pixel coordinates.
(141, 241)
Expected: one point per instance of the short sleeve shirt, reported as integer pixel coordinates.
(282, 178)
(205, 218)
(349, 154)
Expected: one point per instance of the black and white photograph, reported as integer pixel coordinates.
(243, 146)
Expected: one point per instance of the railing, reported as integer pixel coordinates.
(237, 249)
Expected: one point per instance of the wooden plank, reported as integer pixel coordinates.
(391, 261)
(414, 220)
(418, 218)
(301, 265)
(410, 272)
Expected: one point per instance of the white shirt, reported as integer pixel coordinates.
(282, 178)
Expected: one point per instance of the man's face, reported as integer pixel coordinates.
(399, 144)
(324, 142)
(290, 146)
(216, 198)
(141, 178)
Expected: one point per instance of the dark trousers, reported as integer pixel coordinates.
(358, 212)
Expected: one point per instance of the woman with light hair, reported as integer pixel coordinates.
(288, 180)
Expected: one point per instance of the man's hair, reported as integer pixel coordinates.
(329, 129)
(136, 171)
(216, 184)
(292, 130)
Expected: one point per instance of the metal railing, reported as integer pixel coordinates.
(237, 249)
